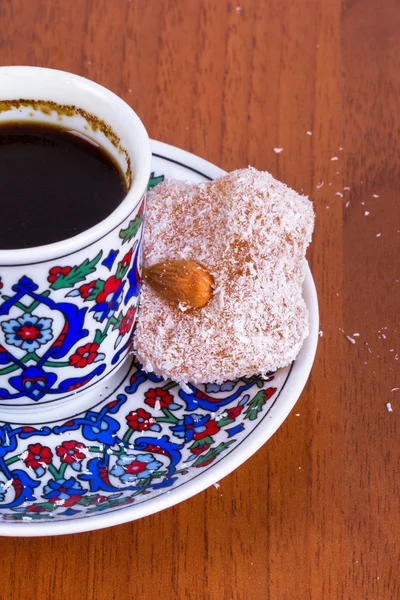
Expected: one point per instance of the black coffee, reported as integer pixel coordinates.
(54, 184)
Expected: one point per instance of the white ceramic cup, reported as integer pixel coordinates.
(67, 309)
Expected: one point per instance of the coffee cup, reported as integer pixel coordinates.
(67, 309)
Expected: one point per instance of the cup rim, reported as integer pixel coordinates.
(135, 128)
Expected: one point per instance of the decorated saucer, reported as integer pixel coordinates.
(143, 444)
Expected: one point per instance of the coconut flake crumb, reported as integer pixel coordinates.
(263, 320)
(389, 407)
(351, 340)
(394, 389)
(366, 213)
(334, 158)
(216, 485)
(378, 235)
(319, 185)
(320, 333)
(347, 204)
(309, 132)
(347, 188)
(278, 150)
(375, 195)
(7, 484)
(339, 194)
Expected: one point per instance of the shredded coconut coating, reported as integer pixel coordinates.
(251, 232)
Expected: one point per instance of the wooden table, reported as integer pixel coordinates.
(315, 513)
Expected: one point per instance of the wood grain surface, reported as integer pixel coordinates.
(315, 513)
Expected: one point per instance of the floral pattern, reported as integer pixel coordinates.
(141, 420)
(37, 456)
(28, 332)
(146, 438)
(64, 491)
(131, 467)
(195, 427)
(159, 398)
(2, 491)
(109, 299)
(57, 272)
(86, 355)
(72, 453)
(127, 321)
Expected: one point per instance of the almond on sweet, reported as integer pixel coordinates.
(183, 282)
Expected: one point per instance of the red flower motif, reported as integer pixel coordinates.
(206, 462)
(158, 395)
(200, 449)
(268, 393)
(140, 420)
(84, 355)
(135, 467)
(38, 456)
(127, 321)
(70, 452)
(233, 412)
(86, 289)
(28, 332)
(110, 287)
(126, 261)
(35, 509)
(211, 429)
(56, 272)
(1, 283)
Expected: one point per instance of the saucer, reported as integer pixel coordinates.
(144, 444)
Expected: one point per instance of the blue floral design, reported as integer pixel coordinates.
(2, 491)
(28, 332)
(103, 430)
(133, 278)
(122, 458)
(8, 441)
(214, 388)
(33, 382)
(63, 489)
(189, 426)
(131, 467)
(110, 305)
